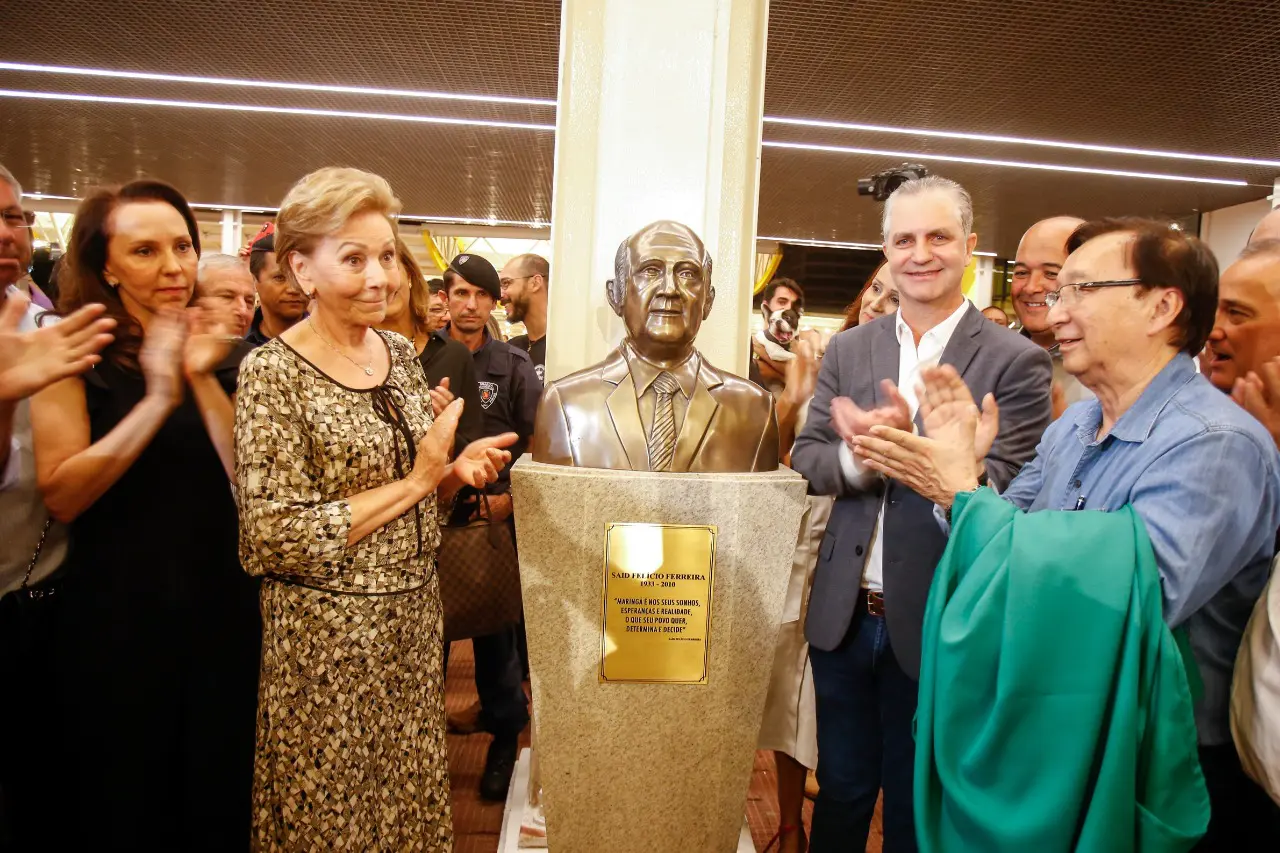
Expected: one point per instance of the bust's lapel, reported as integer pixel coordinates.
(624, 411)
(697, 418)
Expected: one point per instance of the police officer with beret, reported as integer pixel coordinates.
(509, 394)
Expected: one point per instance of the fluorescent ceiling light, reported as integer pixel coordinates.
(272, 84)
(256, 108)
(1018, 140)
(543, 102)
(1015, 164)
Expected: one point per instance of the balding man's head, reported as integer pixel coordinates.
(1268, 228)
(1041, 253)
(1246, 330)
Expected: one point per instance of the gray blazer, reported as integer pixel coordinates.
(991, 359)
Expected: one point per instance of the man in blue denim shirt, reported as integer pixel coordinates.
(1135, 301)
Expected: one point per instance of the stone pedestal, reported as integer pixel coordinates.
(649, 767)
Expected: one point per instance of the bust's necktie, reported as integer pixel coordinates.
(662, 435)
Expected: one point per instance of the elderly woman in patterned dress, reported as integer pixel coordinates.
(339, 466)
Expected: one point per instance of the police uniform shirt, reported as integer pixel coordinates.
(509, 394)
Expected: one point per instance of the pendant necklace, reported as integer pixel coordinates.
(368, 369)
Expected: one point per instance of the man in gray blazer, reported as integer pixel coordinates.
(882, 543)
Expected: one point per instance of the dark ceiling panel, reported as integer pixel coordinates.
(490, 47)
(252, 159)
(1180, 75)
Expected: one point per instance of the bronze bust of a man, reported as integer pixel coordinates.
(655, 404)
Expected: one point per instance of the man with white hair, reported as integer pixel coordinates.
(225, 286)
(882, 543)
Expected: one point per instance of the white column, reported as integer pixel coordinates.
(983, 273)
(659, 117)
(232, 232)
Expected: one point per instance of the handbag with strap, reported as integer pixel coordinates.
(479, 577)
(27, 612)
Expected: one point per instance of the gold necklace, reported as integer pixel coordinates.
(368, 369)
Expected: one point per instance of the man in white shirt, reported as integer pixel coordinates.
(882, 543)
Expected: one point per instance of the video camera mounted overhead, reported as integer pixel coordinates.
(882, 184)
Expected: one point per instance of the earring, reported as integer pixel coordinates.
(112, 283)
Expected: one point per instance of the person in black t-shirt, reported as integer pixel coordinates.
(418, 311)
(525, 280)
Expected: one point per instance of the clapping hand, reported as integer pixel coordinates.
(850, 421)
(480, 461)
(477, 465)
(441, 397)
(209, 340)
(948, 458)
(161, 357)
(31, 360)
(1258, 393)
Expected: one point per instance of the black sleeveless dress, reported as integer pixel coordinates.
(158, 650)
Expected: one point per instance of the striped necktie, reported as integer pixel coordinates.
(662, 435)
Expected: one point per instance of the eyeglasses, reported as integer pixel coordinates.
(506, 282)
(1060, 295)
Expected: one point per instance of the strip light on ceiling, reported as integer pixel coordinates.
(543, 102)
(273, 84)
(257, 108)
(511, 125)
(1018, 140)
(1014, 164)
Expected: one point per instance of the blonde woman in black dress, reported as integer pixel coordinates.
(338, 467)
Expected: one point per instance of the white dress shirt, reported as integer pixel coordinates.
(911, 360)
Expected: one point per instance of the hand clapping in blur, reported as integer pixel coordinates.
(209, 340)
(1258, 393)
(31, 360)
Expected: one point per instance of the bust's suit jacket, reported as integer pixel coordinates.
(991, 359)
(591, 419)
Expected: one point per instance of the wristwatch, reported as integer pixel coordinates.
(982, 481)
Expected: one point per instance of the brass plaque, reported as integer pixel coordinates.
(656, 608)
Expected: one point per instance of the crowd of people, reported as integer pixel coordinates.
(225, 480)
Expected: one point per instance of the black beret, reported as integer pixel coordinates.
(479, 272)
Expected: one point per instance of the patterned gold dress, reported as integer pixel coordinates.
(351, 752)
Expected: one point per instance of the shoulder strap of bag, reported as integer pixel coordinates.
(36, 556)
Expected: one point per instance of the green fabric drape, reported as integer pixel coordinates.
(1055, 712)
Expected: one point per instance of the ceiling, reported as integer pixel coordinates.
(1165, 74)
